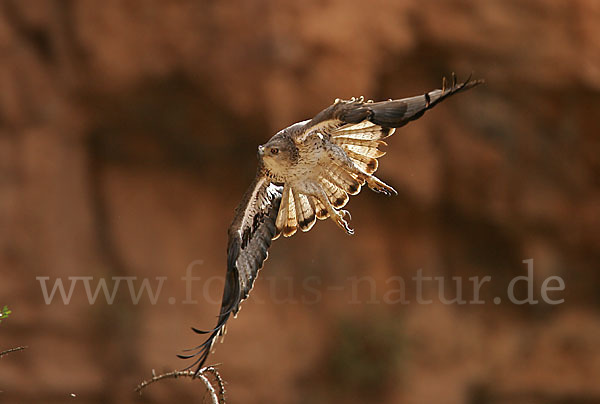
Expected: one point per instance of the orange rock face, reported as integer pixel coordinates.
(128, 133)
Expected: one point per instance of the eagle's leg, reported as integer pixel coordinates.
(372, 182)
(379, 186)
(340, 217)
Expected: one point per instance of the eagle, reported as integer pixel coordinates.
(307, 172)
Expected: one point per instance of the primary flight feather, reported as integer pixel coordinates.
(307, 172)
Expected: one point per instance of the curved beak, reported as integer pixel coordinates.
(261, 151)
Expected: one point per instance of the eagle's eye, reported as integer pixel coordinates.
(274, 150)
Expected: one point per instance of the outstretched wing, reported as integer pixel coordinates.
(376, 120)
(250, 236)
(359, 128)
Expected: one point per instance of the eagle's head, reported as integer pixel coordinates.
(278, 155)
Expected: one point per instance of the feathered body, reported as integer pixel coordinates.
(319, 168)
(307, 172)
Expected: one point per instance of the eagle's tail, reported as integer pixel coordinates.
(301, 211)
(297, 210)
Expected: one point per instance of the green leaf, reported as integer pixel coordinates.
(4, 312)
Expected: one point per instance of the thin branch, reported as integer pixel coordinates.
(216, 398)
(11, 350)
(218, 379)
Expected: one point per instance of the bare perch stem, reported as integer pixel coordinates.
(11, 350)
(216, 398)
(219, 380)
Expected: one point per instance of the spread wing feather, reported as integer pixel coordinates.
(250, 236)
(365, 130)
(297, 210)
(359, 126)
(305, 211)
(287, 222)
(320, 209)
(337, 196)
(364, 150)
(343, 179)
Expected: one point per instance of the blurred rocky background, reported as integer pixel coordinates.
(128, 133)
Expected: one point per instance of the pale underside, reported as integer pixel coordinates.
(329, 169)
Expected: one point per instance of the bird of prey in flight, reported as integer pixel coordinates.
(306, 172)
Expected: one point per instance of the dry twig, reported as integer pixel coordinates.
(11, 350)
(216, 397)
